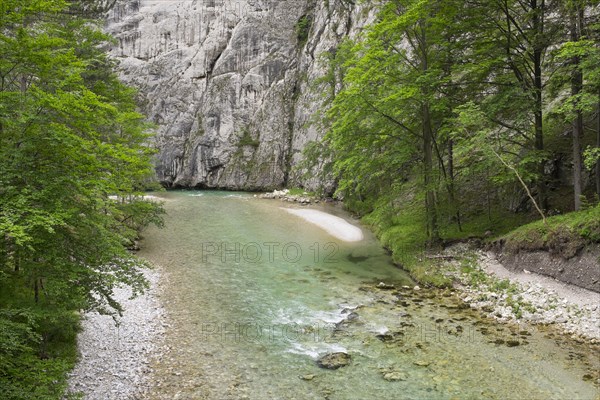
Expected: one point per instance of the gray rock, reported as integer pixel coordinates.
(334, 360)
(230, 86)
(385, 286)
(395, 376)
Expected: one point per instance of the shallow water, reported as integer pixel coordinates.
(255, 295)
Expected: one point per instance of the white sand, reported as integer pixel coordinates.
(335, 226)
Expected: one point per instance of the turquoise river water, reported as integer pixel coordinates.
(254, 295)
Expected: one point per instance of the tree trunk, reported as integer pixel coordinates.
(36, 290)
(576, 87)
(451, 190)
(538, 26)
(432, 223)
(598, 145)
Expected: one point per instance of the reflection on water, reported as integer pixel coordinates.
(255, 295)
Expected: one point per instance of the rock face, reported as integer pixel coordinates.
(232, 85)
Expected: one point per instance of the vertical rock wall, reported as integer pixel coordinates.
(231, 84)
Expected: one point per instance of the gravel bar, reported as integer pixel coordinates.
(115, 359)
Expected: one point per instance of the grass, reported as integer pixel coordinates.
(404, 235)
(247, 140)
(300, 192)
(303, 29)
(564, 235)
(498, 222)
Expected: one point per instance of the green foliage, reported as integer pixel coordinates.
(442, 118)
(71, 142)
(299, 192)
(564, 235)
(247, 140)
(401, 231)
(303, 29)
(591, 156)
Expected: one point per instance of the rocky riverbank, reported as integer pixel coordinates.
(115, 358)
(510, 296)
(285, 195)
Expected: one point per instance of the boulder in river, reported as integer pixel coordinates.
(334, 360)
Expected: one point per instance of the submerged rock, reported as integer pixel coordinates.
(334, 360)
(395, 376)
(422, 363)
(385, 337)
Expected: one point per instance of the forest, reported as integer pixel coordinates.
(457, 119)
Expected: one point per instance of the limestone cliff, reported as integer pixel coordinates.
(231, 84)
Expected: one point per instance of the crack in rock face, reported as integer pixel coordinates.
(230, 85)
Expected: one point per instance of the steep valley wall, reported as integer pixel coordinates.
(232, 86)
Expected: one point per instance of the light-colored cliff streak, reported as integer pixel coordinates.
(333, 21)
(229, 84)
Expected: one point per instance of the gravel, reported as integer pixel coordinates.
(531, 298)
(115, 358)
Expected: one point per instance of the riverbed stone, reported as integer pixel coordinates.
(395, 376)
(334, 360)
(422, 363)
(385, 286)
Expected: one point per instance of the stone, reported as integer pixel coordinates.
(422, 363)
(395, 376)
(385, 337)
(334, 360)
(229, 85)
(385, 286)
(308, 377)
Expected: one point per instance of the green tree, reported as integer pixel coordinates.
(397, 95)
(578, 58)
(510, 51)
(72, 148)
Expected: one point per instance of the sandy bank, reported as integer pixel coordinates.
(335, 226)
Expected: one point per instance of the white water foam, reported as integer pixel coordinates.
(303, 316)
(379, 329)
(316, 350)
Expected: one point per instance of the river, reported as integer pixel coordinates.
(254, 295)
